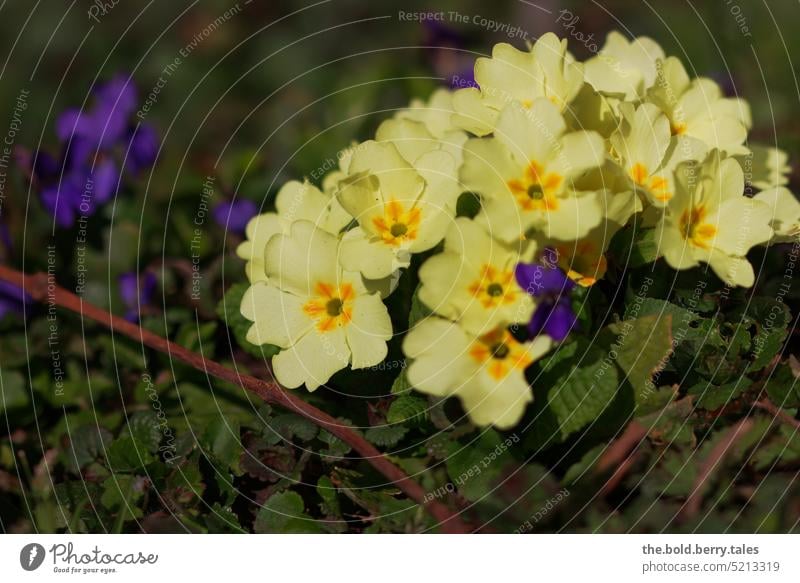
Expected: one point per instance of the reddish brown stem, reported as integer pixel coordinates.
(776, 412)
(42, 289)
(727, 442)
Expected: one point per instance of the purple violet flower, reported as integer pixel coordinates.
(447, 54)
(13, 299)
(94, 142)
(136, 291)
(234, 215)
(551, 287)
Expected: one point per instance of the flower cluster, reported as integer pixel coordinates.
(98, 144)
(561, 156)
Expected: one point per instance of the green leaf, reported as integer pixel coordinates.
(386, 436)
(287, 426)
(639, 347)
(186, 482)
(771, 319)
(13, 393)
(284, 513)
(582, 382)
(127, 454)
(145, 427)
(330, 498)
(228, 311)
(418, 311)
(408, 408)
(783, 388)
(222, 520)
(401, 386)
(121, 494)
(582, 468)
(336, 447)
(87, 443)
(635, 247)
(221, 439)
(468, 205)
(475, 467)
(712, 397)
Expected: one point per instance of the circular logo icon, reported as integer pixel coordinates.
(31, 556)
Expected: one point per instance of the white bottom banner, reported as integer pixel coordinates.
(400, 558)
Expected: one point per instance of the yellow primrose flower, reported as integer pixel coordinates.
(473, 281)
(622, 67)
(765, 166)
(321, 316)
(710, 221)
(487, 373)
(697, 108)
(511, 75)
(413, 140)
(584, 260)
(436, 114)
(525, 175)
(295, 201)
(784, 212)
(649, 154)
(401, 209)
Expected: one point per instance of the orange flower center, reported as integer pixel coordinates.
(657, 185)
(500, 352)
(332, 306)
(493, 288)
(398, 225)
(536, 190)
(695, 229)
(678, 128)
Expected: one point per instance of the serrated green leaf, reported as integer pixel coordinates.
(712, 397)
(126, 454)
(221, 440)
(87, 444)
(582, 384)
(640, 347)
(783, 387)
(385, 436)
(336, 447)
(146, 428)
(408, 408)
(284, 513)
(288, 426)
